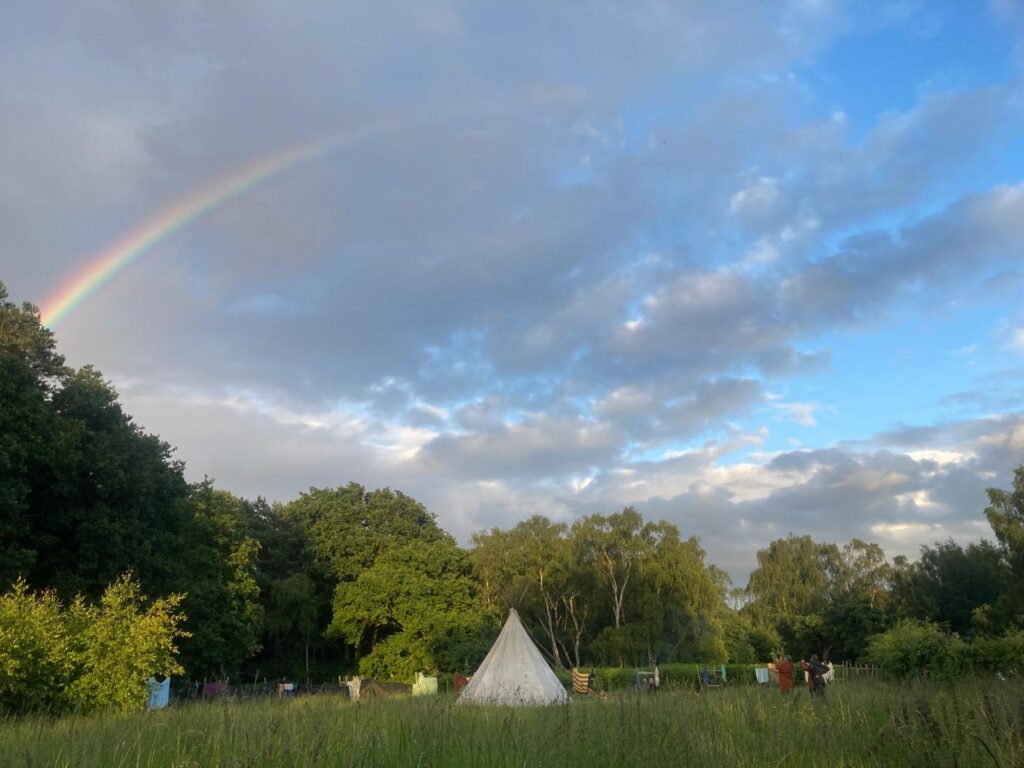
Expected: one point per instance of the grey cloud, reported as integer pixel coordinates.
(541, 446)
(525, 253)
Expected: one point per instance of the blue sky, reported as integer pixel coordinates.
(754, 268)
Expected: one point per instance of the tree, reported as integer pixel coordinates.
(616, 546)
(1005, 513)
(30, 370)
(819, 597)
(949, 583)
(408, 608)
(217, 561)
(790, 580)
(295, 595)
(111, 499)
(349, 528)
(530, 567)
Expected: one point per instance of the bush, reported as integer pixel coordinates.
(36, 661)
(85, 656)
(1003, 654)
(913, 647)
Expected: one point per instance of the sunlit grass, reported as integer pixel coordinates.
(862, 723)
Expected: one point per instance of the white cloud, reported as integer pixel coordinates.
(1016, 341)
(756, 199)
(799, 413)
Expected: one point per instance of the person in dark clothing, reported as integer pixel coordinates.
(815, 675)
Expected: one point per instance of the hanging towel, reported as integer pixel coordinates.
(159, 693)
(424, 685)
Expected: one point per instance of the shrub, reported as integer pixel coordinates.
(85, 656)
(1003, 654)
(36, 660)
(913, 647)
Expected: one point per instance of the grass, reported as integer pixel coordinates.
(863, 723)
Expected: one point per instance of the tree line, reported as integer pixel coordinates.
(344, 579)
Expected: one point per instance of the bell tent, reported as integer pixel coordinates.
(514, 673)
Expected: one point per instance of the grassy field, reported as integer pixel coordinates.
(860, 724)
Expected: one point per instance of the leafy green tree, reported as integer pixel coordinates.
(1005, 513)
(616, 546)
(949, 583)
(406, 610)
(217, 560)
(114, 500)
(531, 567)
(295, 594)
(30, 370)
(820, 598)
(791, 580)
(349, 528)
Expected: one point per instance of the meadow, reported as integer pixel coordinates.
(861, 723)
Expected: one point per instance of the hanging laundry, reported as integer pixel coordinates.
(424, 685)
(159, 693)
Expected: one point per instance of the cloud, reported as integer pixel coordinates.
(1016, 341)
(800, 413)
(571, 254)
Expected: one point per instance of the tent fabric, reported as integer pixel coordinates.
(370, 688)
(762, 674)
(514, 673)
(159, 693)
(424, 685)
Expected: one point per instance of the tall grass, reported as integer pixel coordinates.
(863, 723)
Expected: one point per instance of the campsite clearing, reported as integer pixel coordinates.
(861, 723)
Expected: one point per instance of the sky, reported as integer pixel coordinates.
(753, 268)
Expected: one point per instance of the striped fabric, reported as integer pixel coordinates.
(580, 682)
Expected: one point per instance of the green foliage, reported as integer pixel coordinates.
(218, 574)
(349, 528)
(1003, 654)
(911, 647)
(949, 583)
(87, 656)
(1005, 514)
(407, 608)
(117, 644)
(36, 661)
(30, 441)
(819, 598)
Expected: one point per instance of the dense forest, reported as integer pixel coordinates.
(344, 579)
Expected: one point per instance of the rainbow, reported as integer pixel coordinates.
(106, 263)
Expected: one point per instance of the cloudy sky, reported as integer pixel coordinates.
(753, 267)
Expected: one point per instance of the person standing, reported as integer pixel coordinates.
(784, 667)
(815, 675)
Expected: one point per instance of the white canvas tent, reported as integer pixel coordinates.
(514, 673)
